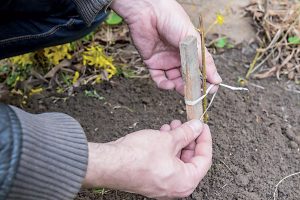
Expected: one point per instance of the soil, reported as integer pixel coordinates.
(256, 134)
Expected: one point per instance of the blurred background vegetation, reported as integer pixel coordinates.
(108, 52)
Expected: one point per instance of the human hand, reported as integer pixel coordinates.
(157, 164)
(157, 27)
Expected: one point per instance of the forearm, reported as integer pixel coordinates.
(104, 165)
(52, 156)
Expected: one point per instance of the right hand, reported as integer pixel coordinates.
(157, 27)
(153, 163)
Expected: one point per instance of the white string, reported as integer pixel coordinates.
(192, 103)
(210, 103)
(233, 88)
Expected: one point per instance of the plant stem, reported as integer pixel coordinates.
(204, 84)
(250, 70)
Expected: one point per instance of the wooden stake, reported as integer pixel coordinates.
(192, 76)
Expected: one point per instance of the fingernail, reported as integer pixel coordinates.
(196, 125)
(217, 77)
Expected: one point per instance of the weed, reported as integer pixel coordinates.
(94, 94)
(101, 191)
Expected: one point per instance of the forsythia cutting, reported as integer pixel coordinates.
(220, 19)
(95, 56)
(23, 60)
(57, 53)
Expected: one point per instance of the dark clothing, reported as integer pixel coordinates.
(42, 156)
(28, 25)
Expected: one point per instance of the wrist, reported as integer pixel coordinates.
(103, 166)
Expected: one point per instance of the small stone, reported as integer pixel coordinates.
(146, 100)
(290, 134)
(244, 132)
(297, 139)
(293, 145)
(241, 180)
(247, 168)
(181, 111)
(283, 167)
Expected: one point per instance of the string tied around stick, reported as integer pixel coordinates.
(194, 102)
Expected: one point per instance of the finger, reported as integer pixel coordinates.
(159, 77)
(201, 162)
(214, 89)
(187, 155)
(179, 85)
(202, 141)
(165, 127)
(186, 133)
(188, 152)
(164, 60)
(175, 124)
(191, 146)
(211, 70)
(173, 73)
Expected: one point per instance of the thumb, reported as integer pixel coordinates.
(187, 133)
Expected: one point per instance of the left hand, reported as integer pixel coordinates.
(163, 164)
(157, 27)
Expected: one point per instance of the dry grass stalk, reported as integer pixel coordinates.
(276, 21)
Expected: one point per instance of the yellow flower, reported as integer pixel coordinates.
(22, 60)
(98, 79)
(220, 19)
(58, 53)
(35, 91)
(75, 78)
(95, 56)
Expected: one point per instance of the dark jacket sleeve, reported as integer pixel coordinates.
(42, 156)
(88, 9)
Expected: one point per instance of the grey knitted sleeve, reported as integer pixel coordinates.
(90, 8)
(54, 155)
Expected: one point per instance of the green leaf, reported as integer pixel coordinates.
(294, 40)
(113, 19)
(221, 42)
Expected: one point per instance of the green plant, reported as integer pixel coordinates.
(101, 191)
(222, 43)
(94, 94)
(54, 61)
(294, 40)
(113, 19)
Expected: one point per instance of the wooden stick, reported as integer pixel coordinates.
(203, 51)
(192, 76)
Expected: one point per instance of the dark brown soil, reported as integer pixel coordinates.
(256, 135)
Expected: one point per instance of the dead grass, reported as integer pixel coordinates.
(277, 22)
